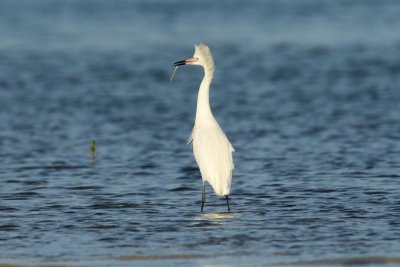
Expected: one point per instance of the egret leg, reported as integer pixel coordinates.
(227, 202)
(203, 196)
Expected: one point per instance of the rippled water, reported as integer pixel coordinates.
(307, 91)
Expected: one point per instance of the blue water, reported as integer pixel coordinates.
(307, 92)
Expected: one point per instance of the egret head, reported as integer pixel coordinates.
(201, 57)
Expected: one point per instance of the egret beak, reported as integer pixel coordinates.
(189, 61)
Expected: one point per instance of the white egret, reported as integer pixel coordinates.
(211, 148)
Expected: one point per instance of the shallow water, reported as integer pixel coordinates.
(307, 92)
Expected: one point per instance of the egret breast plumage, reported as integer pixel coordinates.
(211, 148)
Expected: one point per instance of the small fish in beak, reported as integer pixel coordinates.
(173, 73)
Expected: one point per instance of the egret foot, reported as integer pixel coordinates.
(227, 202)
(203, 197)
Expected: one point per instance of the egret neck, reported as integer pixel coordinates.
(203, 111)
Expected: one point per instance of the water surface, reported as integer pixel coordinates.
(307, 92)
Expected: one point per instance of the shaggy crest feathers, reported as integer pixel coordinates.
(202, 52)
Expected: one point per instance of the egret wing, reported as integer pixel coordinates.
(213, 153)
